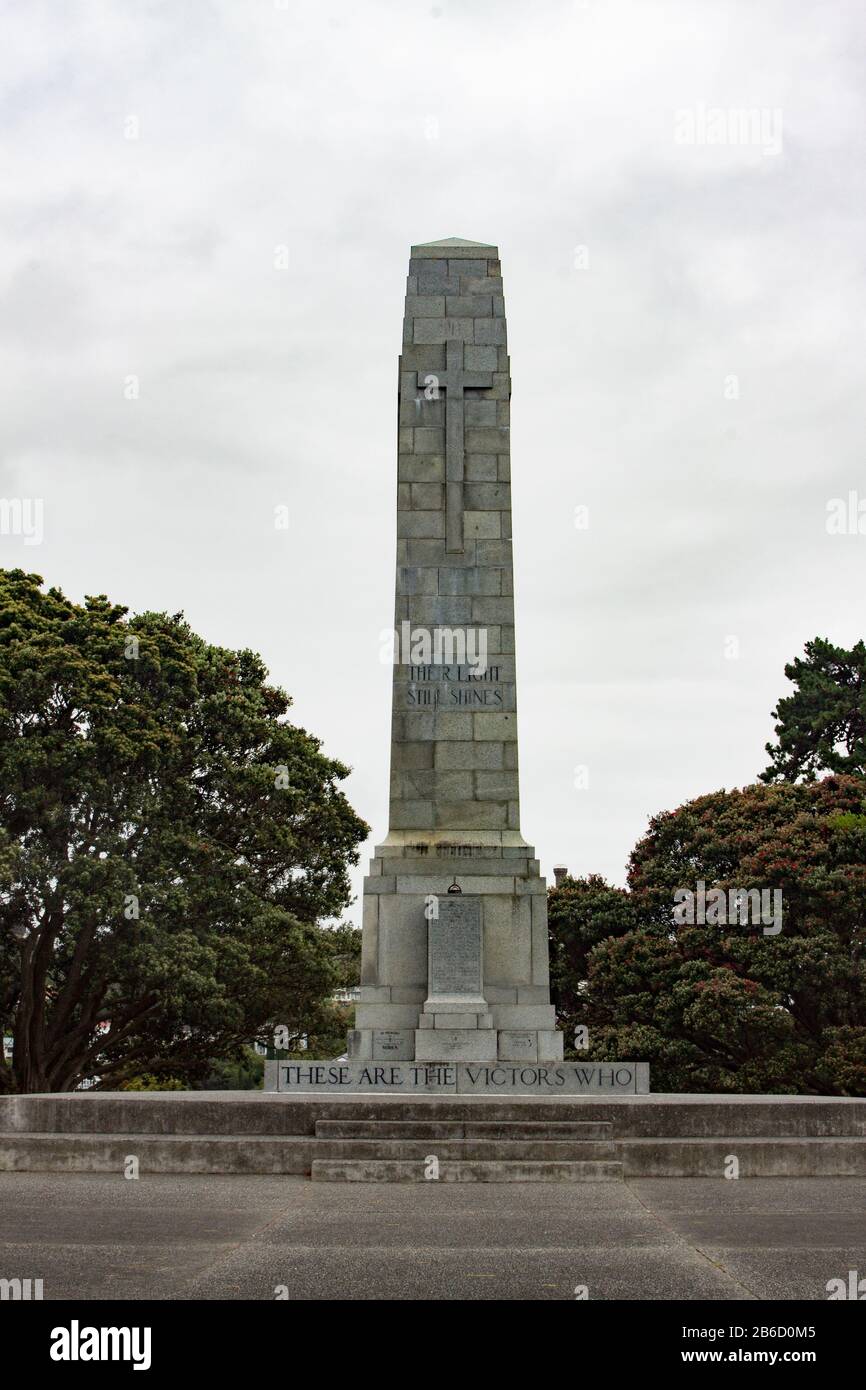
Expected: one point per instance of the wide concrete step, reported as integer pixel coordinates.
(653, 1117)
(256, 1154)
(459, 1129)
(257, 1112)
(494, 1170)
(568, 1150)
(255, 1133)
(163, 1153)
(756, 1158)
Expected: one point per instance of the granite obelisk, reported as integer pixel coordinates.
(455, 946)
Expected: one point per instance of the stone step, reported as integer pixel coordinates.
(653, 1118)
(825, 1157)
(462, 1129)
(707, 1157)
(470, 1150)
(257, 1112)
(491, 1170)
(182, 1153)
(539, 1129)
(163, 1153)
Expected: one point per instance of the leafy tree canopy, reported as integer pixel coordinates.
(822, 726)
(169, 842)
(728, 1008)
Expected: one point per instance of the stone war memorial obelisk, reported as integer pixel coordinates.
(455, 975)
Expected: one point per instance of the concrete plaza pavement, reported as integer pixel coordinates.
(94, 1236)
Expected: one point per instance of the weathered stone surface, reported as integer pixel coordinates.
(441, 1020)
(481, 284)
(507, 944)
(482, 468)
(402, 942)
(490, 330)
(386, 1016)
(480, 412)
(481, 359)
(443, 330)
(463, 1078)
(551, 1046)
(469, 306)
(524, 1016)
(420, 468)
(454, 949)
(393, 1045)
(456, 248)
(518, 1047)
(465, 1044)
(532, 994)
(473, 755)
(359, 1044)
(483, 526)
(426, 306)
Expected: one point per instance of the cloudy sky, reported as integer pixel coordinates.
(207, 210)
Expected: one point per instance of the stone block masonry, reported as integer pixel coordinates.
(454, 498)
(455, 974)
(457, 961)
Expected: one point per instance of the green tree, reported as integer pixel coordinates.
(326, 1035)
(245, 1074)
(317, 1027)
(730, 1008)
(822, 726)
(169, 842)
(344, 943)
(582, 913)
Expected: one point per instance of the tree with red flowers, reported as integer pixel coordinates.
(730, 1007)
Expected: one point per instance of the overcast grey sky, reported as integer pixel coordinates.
(686, 324)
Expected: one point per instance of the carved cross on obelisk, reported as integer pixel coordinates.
(454, 380)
